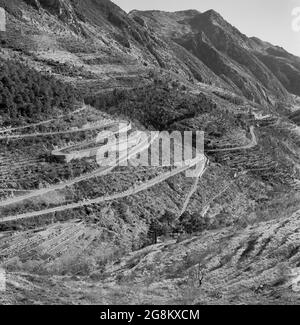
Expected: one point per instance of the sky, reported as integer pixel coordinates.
(269, 20)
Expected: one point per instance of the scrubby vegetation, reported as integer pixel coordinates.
(27, 95)
(165, 106)
(157, 106)
(11, 7)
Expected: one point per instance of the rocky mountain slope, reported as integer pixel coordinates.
(258, 69)
(257, 265)
(75, 225)
(196, 46)
(92, 32)
(284, 65)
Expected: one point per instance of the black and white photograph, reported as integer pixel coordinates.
(149, 155)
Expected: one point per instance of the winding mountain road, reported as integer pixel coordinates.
(44, 134)
(96, 173)
(40, 123)
(201, 161)
(91, 152)
(135, 190)
(201, 169)
(253, 143)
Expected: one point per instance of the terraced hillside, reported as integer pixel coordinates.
(74, 229)
(257, 265)
(243, 185)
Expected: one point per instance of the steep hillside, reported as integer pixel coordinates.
(226, 51)
(96, 41)
(27, 96)
(285, 66)
(257, 265)
(74, 229)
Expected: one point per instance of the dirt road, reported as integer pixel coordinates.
(135, 190)
(253, 143)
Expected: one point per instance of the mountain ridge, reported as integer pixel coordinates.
(245, 67)
(231, 43)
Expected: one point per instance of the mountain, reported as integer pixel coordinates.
(73, 230)
(284, 65)
(259, 72)
(100, 27)
(196, 46)
(256, 266)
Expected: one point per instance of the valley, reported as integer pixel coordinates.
(78, 230)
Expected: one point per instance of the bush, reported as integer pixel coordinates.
(194, 223)
(80, 266)
(155, 106)
(163, 226)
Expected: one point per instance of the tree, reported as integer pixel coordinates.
(29, 95)
(194, 222)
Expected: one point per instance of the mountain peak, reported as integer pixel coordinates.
(213, 14)
(190, 12)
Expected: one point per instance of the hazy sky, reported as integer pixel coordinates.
(270, 20)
